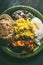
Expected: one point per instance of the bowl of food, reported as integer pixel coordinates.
(21, 31)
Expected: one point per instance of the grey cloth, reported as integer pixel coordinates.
(37, 4)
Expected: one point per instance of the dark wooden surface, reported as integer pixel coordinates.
(7, 60)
